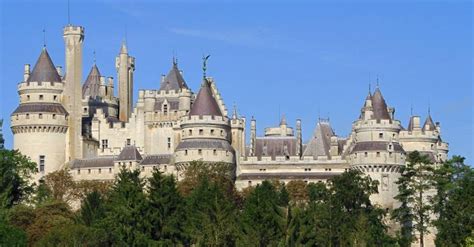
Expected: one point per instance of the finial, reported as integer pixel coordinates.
(411, 109)
(93, 56)
(44, 37)
(234, 114)
(204, 65)
(429, 110)
(377, 80)
(68, 13)
(370, 88)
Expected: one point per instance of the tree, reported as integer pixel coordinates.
(165, 211)
(16, 171)
(297, 191)
(263, 219)
(415, 183)
(453, 202)
(92, 209)
(74, 235)
(196, 170)
(211, 215)
(124, 219)
(61, 186)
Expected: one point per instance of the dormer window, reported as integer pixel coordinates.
(199, 151)
(378, 154)
(54, 116)
(40, 116)
(27, 116)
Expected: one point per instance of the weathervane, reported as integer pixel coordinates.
(204, 65)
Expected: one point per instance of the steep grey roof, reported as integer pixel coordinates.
(102, 161)
(129, 153)
(293, 175)
(92, 84)
(156, 159)
(379, 106)
(320, 143)
(205, 103)
(376, 146)
(41, 107)
(205, 143)
(429, 123)
(276, 146)
(44, 70)
(174, 80)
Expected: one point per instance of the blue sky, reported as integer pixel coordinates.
(300, 59)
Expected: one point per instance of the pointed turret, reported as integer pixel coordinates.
(283, 120)
(379, 106)
(205, 104)
(174, 80)
(320, 143)
(92, 84)
(429, 124)
(44, 70)
(123, 48)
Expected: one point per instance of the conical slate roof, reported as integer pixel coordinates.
(44, 70)
(379, 106)
(205, 103)
(320, 142)
(429, 123)
(174, 80)
(92, 84)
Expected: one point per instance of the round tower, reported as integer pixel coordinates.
(375, 149)
(206, 132)
(40, 123)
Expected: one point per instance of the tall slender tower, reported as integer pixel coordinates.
(125, 66)
(72, 100)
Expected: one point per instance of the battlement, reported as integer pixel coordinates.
(154, 93)
(73, 30)
(23, 86)
(374, 123)
(218, 120)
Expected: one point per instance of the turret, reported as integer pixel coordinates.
(238, 133)
(125, 66)
(41, 120)
(299, 137)
(110, 87)
(253, 136)
(205, 132)
(73, 39)
(374, 147)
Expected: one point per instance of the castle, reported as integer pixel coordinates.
(63, 121)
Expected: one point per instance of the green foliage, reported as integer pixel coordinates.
(415, 183)
(74, 235)
(165, 209)
(211, 215)
(16, 171)
(263, 219)
(10, 235)
(453, 203)
(92, 209)
(124, 220)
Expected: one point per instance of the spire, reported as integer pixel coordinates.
(123, 48)
(92, 84)
(379, 105)
(44, 70)
(234, 113)
(429, 124)
(205, 103)
(283, 120)
(174, 80)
